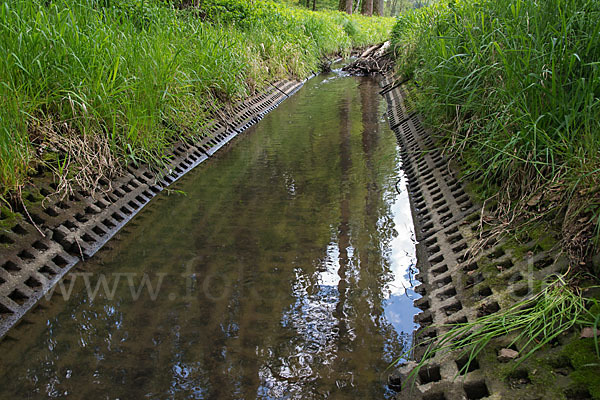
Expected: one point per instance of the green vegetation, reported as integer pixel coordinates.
(88, 85)
(582, 356)
(531, 323)
(388, 8)
(515, 87)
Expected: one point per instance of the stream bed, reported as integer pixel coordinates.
(282, 268)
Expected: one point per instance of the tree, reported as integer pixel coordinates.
(345, 5)
(378, 7)
(393, 9)
(367, 7)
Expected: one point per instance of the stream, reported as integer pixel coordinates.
(281, 268)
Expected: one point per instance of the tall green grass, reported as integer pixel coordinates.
(515, 86)
(136, 74)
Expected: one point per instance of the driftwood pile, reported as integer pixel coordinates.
(375, 59)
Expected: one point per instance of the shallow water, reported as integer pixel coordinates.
(282, 268)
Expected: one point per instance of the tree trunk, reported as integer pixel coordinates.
(393, 10)
(378, 7)
(345, 5)
(367, 7)
(314, 5)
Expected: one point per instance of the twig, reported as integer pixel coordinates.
(27, 212)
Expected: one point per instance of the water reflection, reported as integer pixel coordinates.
(285, 272)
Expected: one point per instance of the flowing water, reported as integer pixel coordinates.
(281, 268)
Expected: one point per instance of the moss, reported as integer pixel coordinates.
(544, 236)
(8, 218)
(32, 197)
(515, 248)
(547, 371)
(553, 371)
(473, 217)
(539, 370)
(588, 378)
(594, 311)
(468, 299)
(491, 274)
(475, 190)
(544, 376)
(581, 352)
(584, 359)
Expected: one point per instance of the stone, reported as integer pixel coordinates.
(587, 332)
(505, 355)
(400, 375)
(395, 381)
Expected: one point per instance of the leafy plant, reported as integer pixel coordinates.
(513, 87)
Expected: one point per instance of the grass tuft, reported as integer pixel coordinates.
(532, 323)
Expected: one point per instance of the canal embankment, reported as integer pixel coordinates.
(502, 319)
(281, 267)
(505, 96)
(57, 232)
(111, 103)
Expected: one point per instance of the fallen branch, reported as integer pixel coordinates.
(376, 59)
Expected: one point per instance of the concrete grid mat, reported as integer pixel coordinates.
(34, 257)
(454, 287)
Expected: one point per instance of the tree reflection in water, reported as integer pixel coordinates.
(288, 272)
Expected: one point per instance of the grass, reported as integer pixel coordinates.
(514, 88)
(531, 323)
(88, 86)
